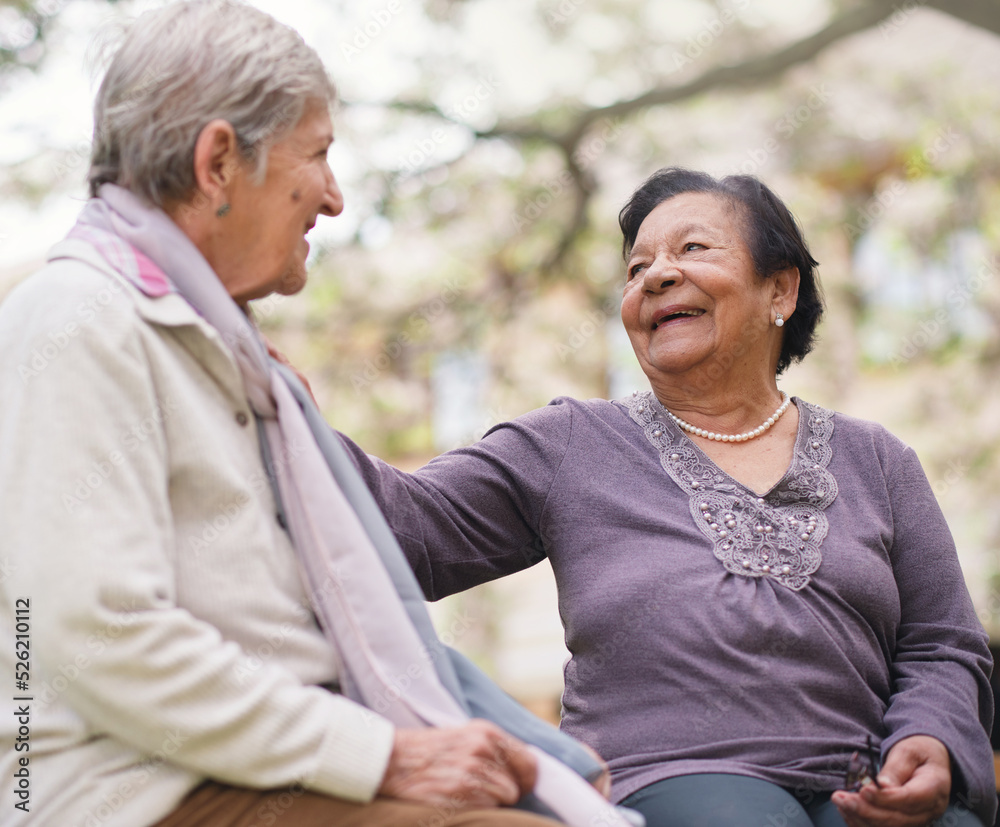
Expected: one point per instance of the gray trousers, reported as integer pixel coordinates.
(719, 800)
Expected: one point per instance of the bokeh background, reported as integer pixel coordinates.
(485, 147)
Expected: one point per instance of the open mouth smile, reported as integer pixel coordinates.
(670, 315)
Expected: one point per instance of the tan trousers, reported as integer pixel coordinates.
(219, 805)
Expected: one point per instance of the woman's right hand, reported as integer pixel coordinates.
(475, 765)
(915, 785)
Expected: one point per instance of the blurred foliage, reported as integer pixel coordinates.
(23, 25)
(505, 239)
(486, 146)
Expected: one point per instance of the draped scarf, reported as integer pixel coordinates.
(377, 623)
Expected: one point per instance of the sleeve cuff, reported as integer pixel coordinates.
(354, 754)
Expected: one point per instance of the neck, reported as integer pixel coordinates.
(723, 407)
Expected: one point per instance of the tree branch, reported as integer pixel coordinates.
(982, 13)
(754, 71)
(583, 188)
(524, 132)
(750, 72)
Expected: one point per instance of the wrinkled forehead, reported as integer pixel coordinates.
(715, 212)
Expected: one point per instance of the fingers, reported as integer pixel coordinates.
(521, 764)
(916, 783)
(858, 812)
(486, 784)
(476, 765)
(504, 768)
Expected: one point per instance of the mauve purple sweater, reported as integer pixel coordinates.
(711, 630)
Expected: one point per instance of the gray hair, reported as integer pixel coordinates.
(184, 65)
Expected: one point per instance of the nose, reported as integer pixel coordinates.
(333, 198)
(660, 275)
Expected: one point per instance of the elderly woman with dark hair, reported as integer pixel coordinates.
(761, 598)
(206, 631)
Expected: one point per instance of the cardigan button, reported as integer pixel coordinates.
(242, 419)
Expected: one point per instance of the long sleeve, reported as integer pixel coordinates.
(93, 497)
(476, 513)
(941, 665)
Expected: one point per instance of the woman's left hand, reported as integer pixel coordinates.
(916, 785)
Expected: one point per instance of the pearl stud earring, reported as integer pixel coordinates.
(779, 321)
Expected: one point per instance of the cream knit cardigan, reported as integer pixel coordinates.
(170, 635)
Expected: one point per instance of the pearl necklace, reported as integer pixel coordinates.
(691, 429)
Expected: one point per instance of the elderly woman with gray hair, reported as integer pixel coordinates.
(211, 626)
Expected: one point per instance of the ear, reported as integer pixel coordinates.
(786, 291)
(217, 161)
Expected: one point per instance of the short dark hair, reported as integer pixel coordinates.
(771, 233)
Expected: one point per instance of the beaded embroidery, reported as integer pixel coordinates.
(778, 535)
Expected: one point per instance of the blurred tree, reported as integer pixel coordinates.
(485, 147)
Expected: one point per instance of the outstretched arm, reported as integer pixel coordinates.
(476, 513)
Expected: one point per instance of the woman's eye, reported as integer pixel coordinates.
(693, 245)
(634, 270)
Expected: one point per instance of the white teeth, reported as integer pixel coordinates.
(678, 313)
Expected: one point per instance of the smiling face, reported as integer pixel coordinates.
(264, 249)
(693, 305)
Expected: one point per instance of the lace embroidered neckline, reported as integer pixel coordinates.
(777, 535)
